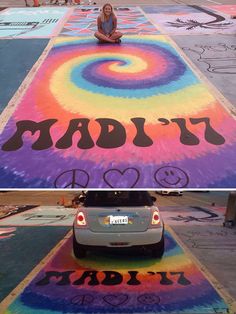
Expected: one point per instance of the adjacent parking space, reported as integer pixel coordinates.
(16, 60)
(22, 248)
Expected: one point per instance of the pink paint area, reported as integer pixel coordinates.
(6, 233)
(226, 9)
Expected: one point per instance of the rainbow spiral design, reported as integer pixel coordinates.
(143, 77)
(104, 80)
(191, 294)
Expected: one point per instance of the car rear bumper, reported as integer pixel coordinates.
(89, 238)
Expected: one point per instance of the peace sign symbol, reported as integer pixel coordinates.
(85, 299)
(74, 178)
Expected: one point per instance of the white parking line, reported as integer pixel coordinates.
(214, 1)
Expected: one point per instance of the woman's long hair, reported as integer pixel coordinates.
(103, 16)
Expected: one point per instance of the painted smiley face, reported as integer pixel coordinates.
(149, 299)
(171, 177)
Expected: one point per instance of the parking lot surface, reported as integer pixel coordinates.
(88, 115)
(40, 273)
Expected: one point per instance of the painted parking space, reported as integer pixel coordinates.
(126, 121)
(42, 216)
(61, 216)
(131, 20)
(190, 20)
(10, 210)
(31, 22)
(215, 56)
(193, 215)
(13, 72)
(103, 116)
(22, 248)
(108, 282)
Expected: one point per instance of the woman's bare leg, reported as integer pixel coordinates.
(103, 38)
(116, 35)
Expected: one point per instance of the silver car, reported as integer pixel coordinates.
(118, 219)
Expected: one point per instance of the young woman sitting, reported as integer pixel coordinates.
(107, 24)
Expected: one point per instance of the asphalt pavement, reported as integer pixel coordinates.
(38, 272)
(194, 220)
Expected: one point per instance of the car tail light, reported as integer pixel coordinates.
(155, 218)
(80, 219)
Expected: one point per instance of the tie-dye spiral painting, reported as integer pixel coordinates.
(129, 283)
(118, 116)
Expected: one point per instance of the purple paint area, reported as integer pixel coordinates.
(84, 173)
(93, 74)
(169, 9)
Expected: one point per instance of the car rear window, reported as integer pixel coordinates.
(117, 198)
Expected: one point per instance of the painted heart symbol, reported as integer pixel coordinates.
(116, 178)
(115, 299)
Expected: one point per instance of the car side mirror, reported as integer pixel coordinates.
(153, 198)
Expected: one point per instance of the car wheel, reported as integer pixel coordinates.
(78, 249)
(158, 248)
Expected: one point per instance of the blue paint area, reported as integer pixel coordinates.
(23, 251)
(225, 182)
(16, 60)
(13, 179)
(30, 22)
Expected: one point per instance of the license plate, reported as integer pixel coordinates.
(119, 220)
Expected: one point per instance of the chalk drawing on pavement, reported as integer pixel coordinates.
(30, 22)
(127, 284)
(107, 116)
(9, 210)
(83, 22)
(199, 20)
(220, 58)
(42, 216)
(192, 215)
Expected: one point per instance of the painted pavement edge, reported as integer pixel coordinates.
(18, 289)
(211, 278)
